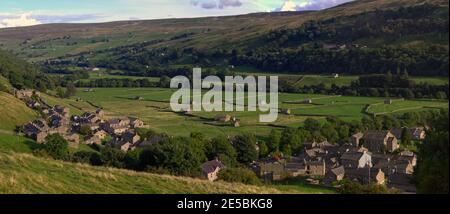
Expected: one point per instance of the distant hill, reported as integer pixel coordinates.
(24, 173)
(54, 40)
(362, 36)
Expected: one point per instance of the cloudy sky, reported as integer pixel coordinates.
(14, 13)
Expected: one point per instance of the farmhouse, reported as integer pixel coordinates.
(210, 169)
(380, 141)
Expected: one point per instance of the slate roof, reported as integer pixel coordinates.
(211, 166)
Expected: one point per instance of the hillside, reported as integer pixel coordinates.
(13, 112)
(24, 173)
(55, 40)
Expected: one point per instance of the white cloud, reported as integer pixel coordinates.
(291, 5)
(216, 4)
(288, 6)
(18, 20)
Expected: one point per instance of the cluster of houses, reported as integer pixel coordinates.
(57, 120)
(371, 157)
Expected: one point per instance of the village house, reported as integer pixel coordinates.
(294, 169)
(152, 140)
(335, 174)
(64, 111)
(136, 123)
(116, 126)
(126, 141)
(36, 130)
(418, 133)
(380, 141)
(356, 160)
(401, 182)
(315, 168)
(365, 175)
(33, 104)
(355, 139)
(409, 156)
(270, 170)
(100, 113)
(92, 139)
(73, 139)
(100, 134)
(211, 169)
(26, 93)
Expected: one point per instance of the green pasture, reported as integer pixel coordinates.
(155, 110)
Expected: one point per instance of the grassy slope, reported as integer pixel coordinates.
(13, 112)
(24, 173)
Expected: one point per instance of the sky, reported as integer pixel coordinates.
(16, 13)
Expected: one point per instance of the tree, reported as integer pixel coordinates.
(221, 148)
(312, 125)
(263, 149)
(245, 146)
(240, 175)
(179, 156)
(70, 89)
(274, 140)
(56, 146)
(60, 92)
(431, 174)
(85, 129)
(406, 136)
(112, 157)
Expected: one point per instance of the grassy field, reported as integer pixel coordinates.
(24, 173)
(301, 80)
(401, 106)
(13, 112)
(155, 110)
